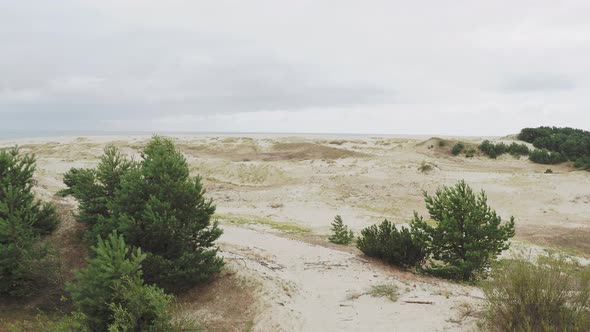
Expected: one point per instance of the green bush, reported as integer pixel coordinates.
(457, 148)
(340, 232)
(157, 206)
(551, 295)
(546, 157)
(468, 234)
(583, 163)
(23, 220)
(565, 143)
(518, 149)
(111, 295)
(494, 150)
(386, 242)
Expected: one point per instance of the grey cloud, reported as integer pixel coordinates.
(94, 64)
(539, 83)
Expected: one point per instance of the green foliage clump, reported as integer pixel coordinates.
(386, 242)
(565, 143)
(545, 156)
(494, 150)
(583, 163)
(340, 232)
(551, 295)
(111, 295)
(468, 234)
(518, 149)
(457, 148)
(23, 220)
(157, 206)
(95, 190)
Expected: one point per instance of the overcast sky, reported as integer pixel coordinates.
(393, 67)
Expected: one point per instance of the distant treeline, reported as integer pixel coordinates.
(553, 145)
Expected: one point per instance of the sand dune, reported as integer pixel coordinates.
(276, 197)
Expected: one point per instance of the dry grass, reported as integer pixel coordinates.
(389, 291)
(226, 304)
(570, 239)
(243, 174)
(287, 227)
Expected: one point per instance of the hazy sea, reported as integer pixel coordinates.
(33, 134)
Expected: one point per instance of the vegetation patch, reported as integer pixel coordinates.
(556, 145)
(389, 291)
(340, 232)
(237, 219)
(551, 294)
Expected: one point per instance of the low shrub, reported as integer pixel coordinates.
(546, 157)
(518, 149)
(551, 295)
(340, 232)
(386, 242)
(494, 150)
(425, 167)
(457, 149)
(583, 163)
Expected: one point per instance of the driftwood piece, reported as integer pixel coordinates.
(419, 302)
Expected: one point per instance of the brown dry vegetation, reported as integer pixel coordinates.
(228, 303)
(576, 239)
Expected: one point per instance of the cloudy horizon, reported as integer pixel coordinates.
(383, 67)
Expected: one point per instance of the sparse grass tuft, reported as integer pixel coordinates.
(384, 290)
(287, 227)
(426, 167)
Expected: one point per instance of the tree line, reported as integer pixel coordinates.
(553, 145)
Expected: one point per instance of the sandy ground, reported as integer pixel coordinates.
(276, 196)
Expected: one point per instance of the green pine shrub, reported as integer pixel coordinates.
(157, 206)
(545, 156)
(386, 242)
(110, 293)
(549, 295)
(494, 150)
(95, 191)
(557, 145)
(340, 232)
(23, 221)
(468, 234)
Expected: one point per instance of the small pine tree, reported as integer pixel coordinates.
(157, 206)
(110, 292)
(468, 235)
(396, 247)
(23, 220)
(340, 232)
